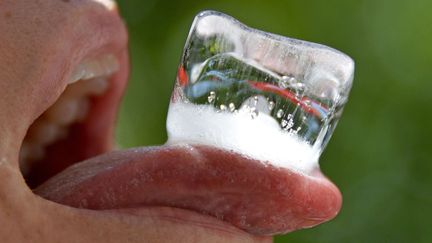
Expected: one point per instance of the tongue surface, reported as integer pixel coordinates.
(251, 195)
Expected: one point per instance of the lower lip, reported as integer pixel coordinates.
(168, 223)
(178, 215)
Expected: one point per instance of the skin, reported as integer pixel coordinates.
(40, 44)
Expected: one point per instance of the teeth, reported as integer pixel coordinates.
(64, 111)
(68, 111)
(44, 132)
(95, 86)
(89, 69)
(72, 106)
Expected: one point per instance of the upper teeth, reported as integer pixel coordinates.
(71, 107)
(88, 69)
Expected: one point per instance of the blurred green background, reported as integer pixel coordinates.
(380, 153)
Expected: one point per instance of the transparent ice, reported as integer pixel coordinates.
(272, 98)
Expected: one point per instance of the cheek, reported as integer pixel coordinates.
(41, 42)
(27, 52)
(43, 221)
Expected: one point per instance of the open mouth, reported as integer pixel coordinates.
(62, 135)
(67, 158)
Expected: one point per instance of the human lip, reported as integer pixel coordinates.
(185, 177)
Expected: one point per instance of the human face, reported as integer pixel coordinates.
(165, 193)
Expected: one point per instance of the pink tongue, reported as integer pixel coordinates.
(253, 196)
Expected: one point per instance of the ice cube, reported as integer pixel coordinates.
(266, 96)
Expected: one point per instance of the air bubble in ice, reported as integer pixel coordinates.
(280, 113)
(254, 113)
(299, 86)
(290, 123)
(287, 81)
(211, 97)
(255, 100)
(231, 107)
(284, 123)
(287, 123)
(271, 105)
(256, 104)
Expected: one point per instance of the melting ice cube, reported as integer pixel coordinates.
(266, 96)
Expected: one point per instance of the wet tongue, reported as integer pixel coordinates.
(251, 195)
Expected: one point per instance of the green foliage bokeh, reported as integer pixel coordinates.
(379, 155)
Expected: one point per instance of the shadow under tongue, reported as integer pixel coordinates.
(249, 194)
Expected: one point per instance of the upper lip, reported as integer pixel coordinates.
(259, 199)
